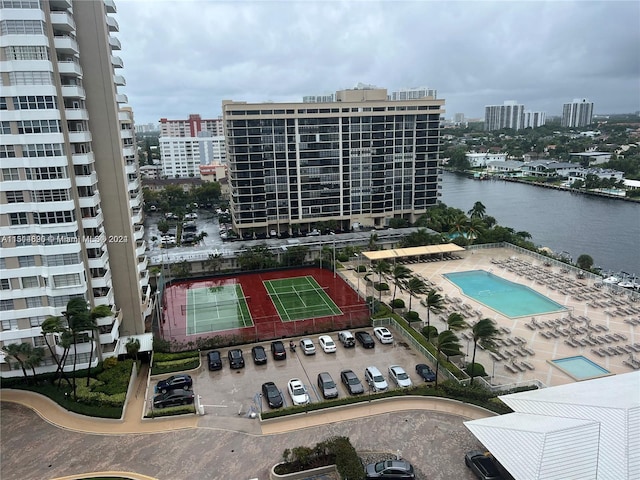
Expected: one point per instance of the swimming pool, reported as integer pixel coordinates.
(509, 298)
(580, 368)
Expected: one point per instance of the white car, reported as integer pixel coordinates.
(374, 378)
(327, 344)
(298, 392)
(383, 334)
(307, 346)
(399, 376)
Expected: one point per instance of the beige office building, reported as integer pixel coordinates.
(361, 160)
(71, 218)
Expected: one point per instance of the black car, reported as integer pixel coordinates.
(259, 355)
(352, 382)
(425, 372)
(278, 351)
(272, 395)
(327, 386)
(172, 398)
(236, 360)
(391, 469)
(175, 382)
(214, 360)
(365, 339)
(482, 465)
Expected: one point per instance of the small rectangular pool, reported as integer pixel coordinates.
(509, 298)
(580, 368)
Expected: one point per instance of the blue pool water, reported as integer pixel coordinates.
(509, 298)
(580, 368)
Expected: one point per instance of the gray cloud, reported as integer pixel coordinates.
(185, 57)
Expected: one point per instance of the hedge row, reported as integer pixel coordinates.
(170, 411)
(180, 365)
(168, 357)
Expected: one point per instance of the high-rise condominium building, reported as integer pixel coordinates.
(578, 113)
(71, 204)
(508, 115)
(187, 144)
(361, 159)
(533, 119)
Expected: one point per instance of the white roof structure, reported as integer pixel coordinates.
(584, 430)
(146, 343)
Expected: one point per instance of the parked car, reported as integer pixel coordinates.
(327, 386)
(259, 355)
(352, 382)
(174, 382)
(425, 372)
(236, 360)
(214, 360)
(298, 392)
(278, 351)
(482, 465)
(399, 376)
(383, 334)
(172, 398)
(375, 379)
(365, 339)
(347, 339)
(390, 469)
(307, 346)
(327, 344)
(272, 395)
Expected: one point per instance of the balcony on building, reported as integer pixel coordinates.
(135, 202)
(59, 4)
(87, 180)
(109, 333)
(119, 80)
(122, 98)
(80, 137)
(141, 247)
(142, 264)
(83, 158)
(73, 91)
(69, 68)
(65, 44)
(137, 216)
(101, 282)
(62, 21)
(133, 183)
(110, 6)
(138, 233)
(114, 42)
(126, 133)
(75, 112)
(93, 222)
(91, 199)
(128, 150)
(130, 168)
(112, 24)
(116, 62)
(103, 296)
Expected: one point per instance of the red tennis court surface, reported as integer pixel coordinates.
(267, 322)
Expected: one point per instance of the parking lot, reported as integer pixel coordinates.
(228, 392)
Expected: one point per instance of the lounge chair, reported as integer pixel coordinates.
(635, 365)
(598, 352)
(527, 365)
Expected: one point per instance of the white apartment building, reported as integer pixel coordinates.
(414, 93)
(191, 127)
(70, 196)
(578, 113)
(483, 159)
(361, 159)
(533, 119)
(508, 115)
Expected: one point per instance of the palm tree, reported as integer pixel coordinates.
(446, 343)
(458, 225)
(34, 359)
(373, 239)
(133, 347)
(484, 331)
(433, 301)
(456, 322)
(78, 319)
(399, 273)
(381, 268)
(20, 353)
(54, 325)
(98, 312)
(212, 264)
(477, 211)
(415, 286)
(474, 228)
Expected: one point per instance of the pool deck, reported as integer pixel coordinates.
(550, 335)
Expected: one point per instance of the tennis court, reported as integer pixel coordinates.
(216, 308)
(299, 298)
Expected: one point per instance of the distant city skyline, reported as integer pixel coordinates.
(187, 60)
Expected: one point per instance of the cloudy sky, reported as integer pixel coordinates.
(185, 56)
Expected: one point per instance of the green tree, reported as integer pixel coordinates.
(434, 302)
(34, 359)
(79, 320)
(477, 211)
(258, 257)
(163, 226)
(399, 273)
(373, 242)
(53, 326)
(213, 263)
(585, 261)
(181, 269)
(455, 322)
(295, 255)
(415, 287)
(446, 343)
(20, 353)
(133, 347)
(381, 268)
(484, 331)
(100, 311)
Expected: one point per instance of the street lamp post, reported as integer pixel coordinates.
(358, 272)
(334, 258)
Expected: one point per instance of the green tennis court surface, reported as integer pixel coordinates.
(300, 298)
(216, 308)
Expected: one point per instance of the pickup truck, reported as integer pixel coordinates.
(482, 465)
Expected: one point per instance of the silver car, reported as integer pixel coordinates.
(399, 376)
(327, 386)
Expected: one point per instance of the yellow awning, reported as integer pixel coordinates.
(412, 251)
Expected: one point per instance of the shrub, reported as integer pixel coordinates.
(110, 362)
(381, 286)
(397, 303)
(477, 369)
(167, 357)
(412, 316)
(361, 268)
(347, 461)
(169, 411)
(429, 331)
(115, 380)
(175, 366)
(343, 257)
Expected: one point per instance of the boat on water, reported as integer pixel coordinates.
(612, 280)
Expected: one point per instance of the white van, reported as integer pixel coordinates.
(375, 379)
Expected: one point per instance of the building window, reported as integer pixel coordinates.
(5, 128)
(33, 302)
(5, 284)
(45, 196)
(46, 173)
(39, 341)
(7, 151)
(61, 259)
(18, 218)
(5, 306)
(37, 321)
(20, 4)
(35, 102)
(30, 78)
(66, 280)
(10, 174)
(15, 197)
(30, 282)
(39, 126)
(48, 218)
(21, 27)
(26, 53)
(27, 261)
(43, 150)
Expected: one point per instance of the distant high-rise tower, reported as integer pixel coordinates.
(578, 113)
(508, 115)
(71, 218)
(413, 93)
(534, 119)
